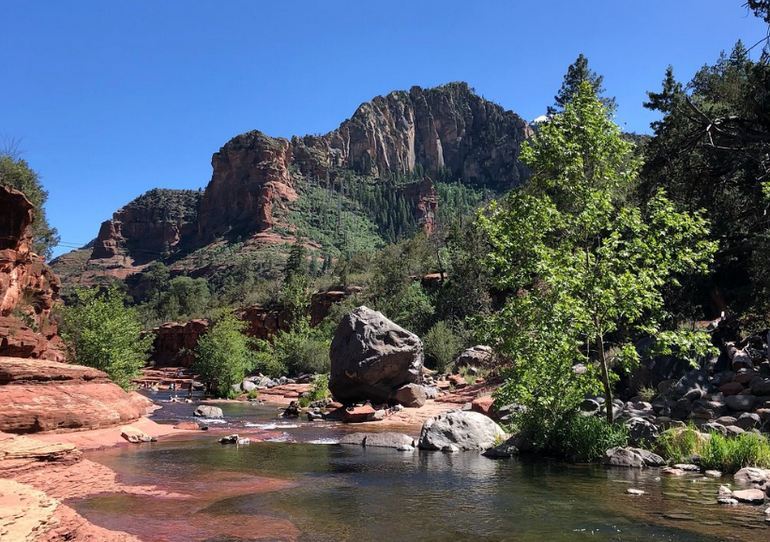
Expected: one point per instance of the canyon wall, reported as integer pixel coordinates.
(28, 287)
(448, 132)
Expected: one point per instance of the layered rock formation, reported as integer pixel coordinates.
(150, 227)
(250, 183)
(444, 130)
(447, 132)
(28, 287)
(40, 395)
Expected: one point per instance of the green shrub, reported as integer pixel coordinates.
(320, 389)
(730, 454)
(298, 351)
(101, 332)
(223, 355)
(679, 444)
(441, 345)
(647, 393)
(585, 438)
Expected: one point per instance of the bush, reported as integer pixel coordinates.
(101, 332)
(320, 389)
(732, 454)
(576, 438)
(298, 351)
(679, 444)
(441, 345)
(223, 356)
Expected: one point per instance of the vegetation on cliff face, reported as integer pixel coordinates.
(16, 173)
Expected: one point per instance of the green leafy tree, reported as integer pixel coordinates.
(101, 332)
(16, 173)
(223, 356)
(710, 152)
(587, 266)
(185, 297)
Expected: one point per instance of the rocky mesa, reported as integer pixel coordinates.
(447, 132)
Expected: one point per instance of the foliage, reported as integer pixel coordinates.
(730, 454)
(456, 201)
(585, 438)
(466, 292)
(441, 345)
(410, 307)
(334, 220)
(165, 298)
(16, 173)
(679, 444)
(101, 332)
(587, 265)
(223, 356)
(689, 345)
(301, 350)
(709, 151)
(320, 390)
(726, 454)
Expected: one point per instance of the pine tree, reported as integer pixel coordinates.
(577, 73)
(664, 100)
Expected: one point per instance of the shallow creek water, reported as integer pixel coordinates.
(291, 489)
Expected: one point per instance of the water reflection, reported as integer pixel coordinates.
(311, 492)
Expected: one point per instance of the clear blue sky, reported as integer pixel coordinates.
(110, 99)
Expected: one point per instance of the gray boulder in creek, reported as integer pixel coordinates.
(371, 357)
(460, 430)
(208, 411)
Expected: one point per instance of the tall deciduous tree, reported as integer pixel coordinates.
(101, 332)
(223, 355)
(587, 267)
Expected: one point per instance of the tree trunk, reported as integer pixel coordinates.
(606, 380)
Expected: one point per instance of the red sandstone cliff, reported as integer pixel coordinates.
(28, 287)
(447, 132)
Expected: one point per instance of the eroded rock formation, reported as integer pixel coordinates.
(148, 228)
(443, 130)
(28, 287)
(447, 132)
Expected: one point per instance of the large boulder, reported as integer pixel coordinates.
(208, 411)
(460, 430)
(411, 395)
(475, 356)
(371, 358)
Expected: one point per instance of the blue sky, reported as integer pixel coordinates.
(110, 99)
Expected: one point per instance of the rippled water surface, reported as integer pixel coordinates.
(293, 490)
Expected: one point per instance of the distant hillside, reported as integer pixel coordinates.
(402, 162)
